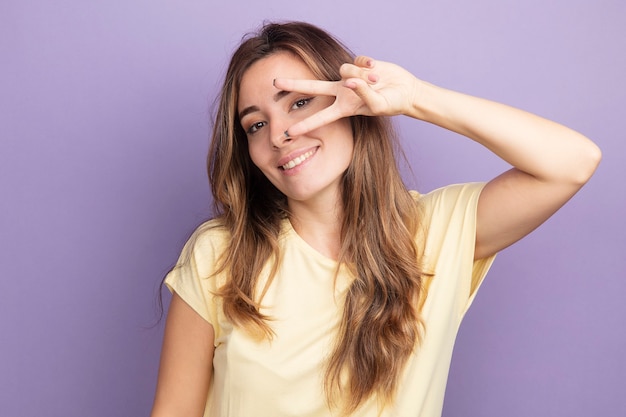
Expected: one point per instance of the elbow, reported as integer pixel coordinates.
(590, 158)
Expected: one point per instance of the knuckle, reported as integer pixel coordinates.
(361, 60)
(344, 68)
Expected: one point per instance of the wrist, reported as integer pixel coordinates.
(422, 94)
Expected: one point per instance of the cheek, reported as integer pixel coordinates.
(255, 154)
(346, 132)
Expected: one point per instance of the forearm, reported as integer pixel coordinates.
(542, 148)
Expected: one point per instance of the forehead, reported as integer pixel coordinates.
(257, 81)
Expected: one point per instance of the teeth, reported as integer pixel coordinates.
(297, 161)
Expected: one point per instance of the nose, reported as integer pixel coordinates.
(280, 137)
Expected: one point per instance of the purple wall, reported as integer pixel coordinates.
(103, 131)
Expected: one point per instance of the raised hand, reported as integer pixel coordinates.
(367, 87)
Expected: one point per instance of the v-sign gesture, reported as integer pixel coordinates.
(367, 87)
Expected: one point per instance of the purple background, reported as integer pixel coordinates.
(104, 118)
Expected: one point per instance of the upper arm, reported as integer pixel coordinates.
(512, 205)
(186, 363)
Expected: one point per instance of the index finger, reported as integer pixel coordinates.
(316, 87)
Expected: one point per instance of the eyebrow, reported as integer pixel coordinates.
(252, 109)
(247, 111)
(280, 95)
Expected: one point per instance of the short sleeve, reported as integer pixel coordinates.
(449, 215)
(193, 277)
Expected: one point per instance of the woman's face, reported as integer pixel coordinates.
(306, 168)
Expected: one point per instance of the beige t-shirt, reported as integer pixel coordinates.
(284, 376)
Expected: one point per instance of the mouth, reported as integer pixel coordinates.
(298, 160)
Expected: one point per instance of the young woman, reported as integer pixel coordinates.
(324, 287)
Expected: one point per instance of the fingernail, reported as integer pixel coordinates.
(369, 63)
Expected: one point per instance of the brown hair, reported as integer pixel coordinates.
(381, 324)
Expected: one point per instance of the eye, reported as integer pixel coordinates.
(301, 103)
(255, 128)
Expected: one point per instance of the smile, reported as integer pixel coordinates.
(297, 161)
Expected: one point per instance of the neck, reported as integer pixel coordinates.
(319, 225)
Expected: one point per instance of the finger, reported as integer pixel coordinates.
(319, 119)
(364, 61)
(356, 71)
(316, 87)
(369, 63)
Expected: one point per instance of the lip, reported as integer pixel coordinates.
(293, 155)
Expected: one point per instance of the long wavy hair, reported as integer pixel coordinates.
(381, 324)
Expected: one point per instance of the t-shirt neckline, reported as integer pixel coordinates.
(304, 245)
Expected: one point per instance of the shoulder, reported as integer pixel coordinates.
(212, 232)
(448, 212)
(195, 277)
(205, 244)
(448, 198)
